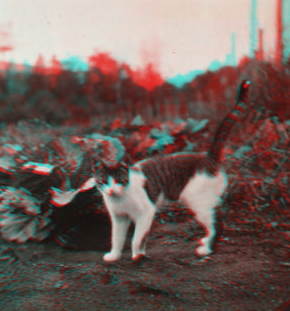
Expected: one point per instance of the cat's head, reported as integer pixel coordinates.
(112, 180)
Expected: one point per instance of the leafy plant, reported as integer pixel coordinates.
(21, 217)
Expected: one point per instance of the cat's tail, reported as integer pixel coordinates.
(229, 121)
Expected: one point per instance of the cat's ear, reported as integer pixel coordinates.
(98, 164)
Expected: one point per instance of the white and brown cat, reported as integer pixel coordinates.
(197, 180)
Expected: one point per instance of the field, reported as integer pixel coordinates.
(249, 269)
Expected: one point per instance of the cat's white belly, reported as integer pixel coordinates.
(204, 191)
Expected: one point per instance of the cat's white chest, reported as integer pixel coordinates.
(134, 200)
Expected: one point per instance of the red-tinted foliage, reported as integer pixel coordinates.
(39, 67)
(106, 64)
(109, 90)
(148, 78)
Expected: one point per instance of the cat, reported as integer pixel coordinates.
(134, 193)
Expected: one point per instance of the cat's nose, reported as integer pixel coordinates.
(111, 192)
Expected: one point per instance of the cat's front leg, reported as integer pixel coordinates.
(142, 228)
(120, 226)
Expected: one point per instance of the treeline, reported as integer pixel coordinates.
(107, 90)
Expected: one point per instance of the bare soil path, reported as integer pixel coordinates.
(248, 271)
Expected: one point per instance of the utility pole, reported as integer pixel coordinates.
(254, 27)
(279, 33)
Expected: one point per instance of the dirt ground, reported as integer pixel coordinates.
(250, 270)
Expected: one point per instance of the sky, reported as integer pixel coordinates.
(177, 36)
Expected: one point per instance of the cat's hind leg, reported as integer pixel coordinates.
(142, 227)
(120, 225)
(202, 194)
(206, 218)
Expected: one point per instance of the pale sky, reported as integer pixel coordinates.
(176, 35)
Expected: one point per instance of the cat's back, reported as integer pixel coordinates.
(169, 174)
(184, 163)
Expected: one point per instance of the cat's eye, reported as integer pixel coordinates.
(122, 180)
(101, 180)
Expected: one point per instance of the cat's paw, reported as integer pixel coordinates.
(138, 257)
(111, 257)
(141, 258)
(203, 250)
